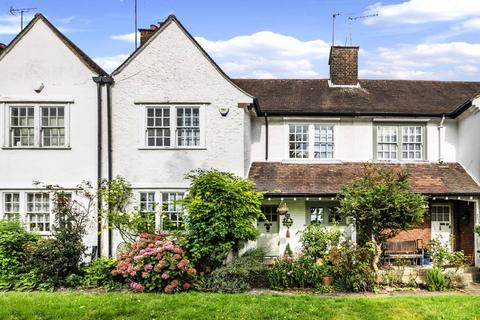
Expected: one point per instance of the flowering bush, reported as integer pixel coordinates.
(156, 263)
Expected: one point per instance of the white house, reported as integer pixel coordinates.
(169, 109)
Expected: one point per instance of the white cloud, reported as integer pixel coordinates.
(10, 25)
(127, 37)
(111, 63)
(439, 61)
(267, 55)
(423, 11)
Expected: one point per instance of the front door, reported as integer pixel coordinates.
(268, 229)
(442, 224)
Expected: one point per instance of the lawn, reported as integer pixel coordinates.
(244, 306)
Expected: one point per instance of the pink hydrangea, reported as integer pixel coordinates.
(165, 276)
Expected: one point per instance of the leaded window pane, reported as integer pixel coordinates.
(412, 143)
(387, 143)
(22, 130)
(53, 126)
(147, 201)
(38, 211)
(11, 205)
(172, 208)
(323, 142)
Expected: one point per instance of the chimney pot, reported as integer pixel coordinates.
(146, 34)
(343, 66)
(153, 27)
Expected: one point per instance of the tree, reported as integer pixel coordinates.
(222, 211)
(381, 205)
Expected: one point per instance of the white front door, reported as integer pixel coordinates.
(269, 238)
(442, 224)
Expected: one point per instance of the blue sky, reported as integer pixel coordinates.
(410, 39)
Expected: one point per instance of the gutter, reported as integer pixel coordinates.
(331, 195)
(100, 81)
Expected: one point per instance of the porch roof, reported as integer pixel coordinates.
(294, 179)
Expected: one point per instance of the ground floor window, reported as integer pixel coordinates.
(38, 211)
(270, 223)
(11, 205)
(172, 209)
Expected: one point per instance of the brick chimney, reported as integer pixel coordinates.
(145, 34)
(2, 47)
(343, 66)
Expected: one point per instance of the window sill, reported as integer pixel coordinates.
(172, 148)
(36, 148)
(400, 161)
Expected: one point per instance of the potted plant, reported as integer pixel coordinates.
(327, 279)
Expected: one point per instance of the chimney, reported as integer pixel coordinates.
(2, 47)
(343, 66)
(145, 34)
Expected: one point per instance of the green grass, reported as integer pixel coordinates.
(244, 306)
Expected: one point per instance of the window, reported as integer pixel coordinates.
(188, 127)
(310, 141)
(441, 213)
(412, 143)
(316, 215)
(53, 126)
(270, 212)
(22, 127)
(38, 211)
(11, 205)
(172, 209)
(37, 126)
(323, 142)
(326, 215)
(163, 121)
(158, 127)
(408, 147)
(147, 201)
(298, 141)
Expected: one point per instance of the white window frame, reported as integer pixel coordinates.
(48, 214)
(11, 214)
(311, 140)
(38, 134)
(400, 143)
(174, 145)
(158, 202)
(177, 212)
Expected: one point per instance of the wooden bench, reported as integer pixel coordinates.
(404, 249)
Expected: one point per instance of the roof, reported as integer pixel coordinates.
(163, 25)
(374, 97)
(86, 60)
(318, 179)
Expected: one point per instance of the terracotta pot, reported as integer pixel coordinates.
(327, 280)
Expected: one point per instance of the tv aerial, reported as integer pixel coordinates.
(22, 11)
(353, 19)
(334, 18)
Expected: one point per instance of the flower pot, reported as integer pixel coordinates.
(327, 280)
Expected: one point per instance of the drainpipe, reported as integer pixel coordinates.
(441, 132)
(266, 136)
(100, 81)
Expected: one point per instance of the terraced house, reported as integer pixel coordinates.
(169, 108)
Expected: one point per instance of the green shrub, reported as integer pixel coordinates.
(300, 272)
(13, 238)
(27, 282)
(435, 280)
(98, 274)
(455, 280)
(352, 268)
(317, 240)
(242, 274)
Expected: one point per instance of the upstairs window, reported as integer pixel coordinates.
(37, 126)
(400, 143)
(173, 127)
(22, 127)
(310, 141)
(53, 126)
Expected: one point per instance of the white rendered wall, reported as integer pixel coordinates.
(468, 142)
(41, 57)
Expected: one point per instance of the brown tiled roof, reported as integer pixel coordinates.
(375, 97)
(76, 50)
(277, 178)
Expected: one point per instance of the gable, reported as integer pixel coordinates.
(40, 41)
(173, 50)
